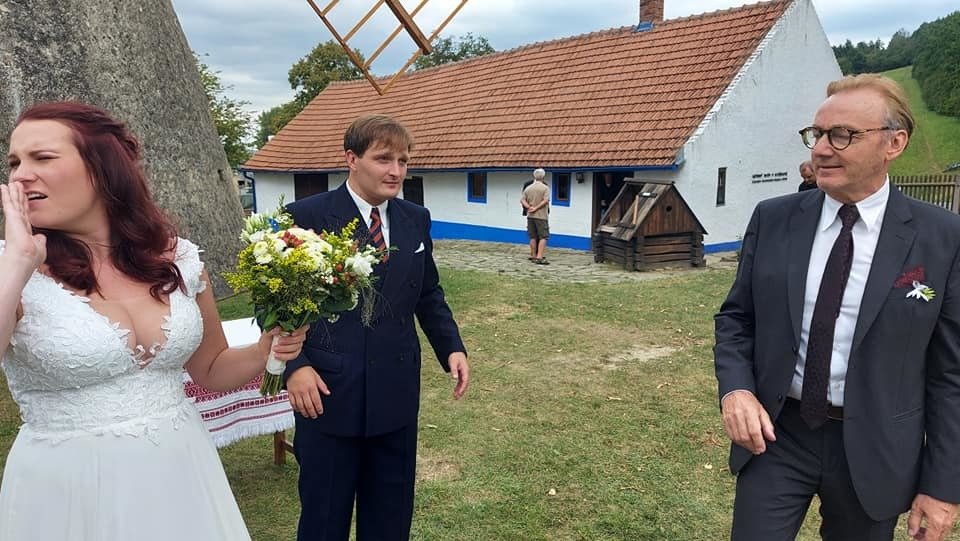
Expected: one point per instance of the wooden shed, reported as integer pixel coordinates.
(649, 225)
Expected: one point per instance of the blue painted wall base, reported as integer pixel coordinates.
(452, 230)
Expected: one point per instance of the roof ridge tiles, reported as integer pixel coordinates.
(621, 31)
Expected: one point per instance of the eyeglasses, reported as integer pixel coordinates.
(839, 137)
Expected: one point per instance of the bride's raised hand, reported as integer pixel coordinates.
(24, 249)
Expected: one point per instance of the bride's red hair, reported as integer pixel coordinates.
(140, 233)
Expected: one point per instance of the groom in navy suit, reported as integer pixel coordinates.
(838, 348)
(356, 388)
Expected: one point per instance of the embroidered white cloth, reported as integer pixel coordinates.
(243, 413)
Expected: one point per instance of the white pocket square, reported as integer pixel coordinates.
(419, 249)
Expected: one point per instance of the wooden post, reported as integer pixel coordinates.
(955, 202)
(280, 448)
(639, 250)
(407, 21)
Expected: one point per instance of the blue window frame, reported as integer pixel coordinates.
(560, 195)
(477, 187)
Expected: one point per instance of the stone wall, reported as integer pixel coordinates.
(132, 59)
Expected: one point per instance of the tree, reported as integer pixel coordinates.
(901, 49)
(873, 56)
(231, 120)
(270, 122)
(327, 62)
(936, 66)
(451, 49)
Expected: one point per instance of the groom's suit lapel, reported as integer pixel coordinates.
(402, 239)
(343, 210)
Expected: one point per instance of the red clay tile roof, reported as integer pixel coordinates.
(609, 98)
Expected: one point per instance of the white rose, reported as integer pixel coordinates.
(305, 235)
(359, 265)
(321, 246)
(316, 260)
(261, 253)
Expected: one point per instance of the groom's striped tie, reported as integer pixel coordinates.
(376, 232)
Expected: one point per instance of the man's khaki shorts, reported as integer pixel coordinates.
(537, 229)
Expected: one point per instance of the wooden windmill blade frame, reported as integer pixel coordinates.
(406, 23)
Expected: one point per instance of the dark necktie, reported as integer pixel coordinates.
(816, 372)
(376, 232)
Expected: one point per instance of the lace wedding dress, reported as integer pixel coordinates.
(110, 448)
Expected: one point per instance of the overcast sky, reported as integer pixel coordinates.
(253, 43)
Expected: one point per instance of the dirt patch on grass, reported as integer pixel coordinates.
(497, 312)
(609, 346)
(637, 354)
(435, 469)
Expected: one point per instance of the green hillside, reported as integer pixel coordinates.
(936, 140)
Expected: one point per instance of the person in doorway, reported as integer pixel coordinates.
(809, 177)
(607, 193)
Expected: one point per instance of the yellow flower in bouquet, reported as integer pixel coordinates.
(295, 276)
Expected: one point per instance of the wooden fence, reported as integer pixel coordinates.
(940, 190)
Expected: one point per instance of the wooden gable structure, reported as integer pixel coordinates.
(649, 225)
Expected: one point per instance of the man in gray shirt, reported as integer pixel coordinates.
(536, 201)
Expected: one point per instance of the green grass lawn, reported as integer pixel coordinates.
(936, 140)
(592, 415)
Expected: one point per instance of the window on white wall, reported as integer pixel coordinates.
(561, 190)
(477, 187)
(721, 186)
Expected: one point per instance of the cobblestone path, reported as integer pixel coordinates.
(565, 265)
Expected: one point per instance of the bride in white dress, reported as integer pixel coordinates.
(101, 308)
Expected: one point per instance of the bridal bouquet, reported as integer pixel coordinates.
(296, 277)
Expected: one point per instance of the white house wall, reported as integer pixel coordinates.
(267, 189)
(753, 130)
(499, 218)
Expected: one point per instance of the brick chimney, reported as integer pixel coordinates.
(651, 11)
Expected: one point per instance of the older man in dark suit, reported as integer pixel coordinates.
(356, 387)
(838, 348)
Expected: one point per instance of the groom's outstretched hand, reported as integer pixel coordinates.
(303, 388)
(460, 372)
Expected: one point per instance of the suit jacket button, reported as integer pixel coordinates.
(370, 361)
(796, 350)
(413, 283)
(779, 398)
